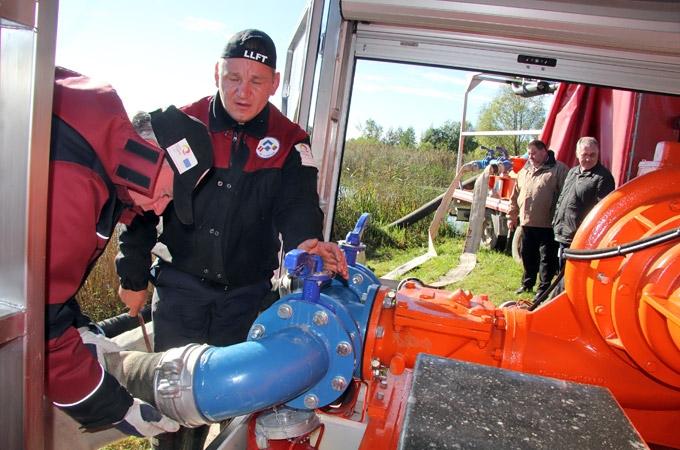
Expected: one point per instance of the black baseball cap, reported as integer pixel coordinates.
(252, 44)
(188, 150)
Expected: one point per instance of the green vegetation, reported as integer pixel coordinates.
(98, 297)
(131, 443)
(390, 182)
(509, 111)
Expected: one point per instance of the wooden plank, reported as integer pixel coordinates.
(477, 213)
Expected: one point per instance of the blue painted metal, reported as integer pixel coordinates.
(329, 322)
(311, 339)
(250, 376)
(352, 244)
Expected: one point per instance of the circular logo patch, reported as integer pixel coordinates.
(267, 147)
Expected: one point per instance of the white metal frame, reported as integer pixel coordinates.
(484, 35)
(27, 48)
(309, 27)
(332, 104)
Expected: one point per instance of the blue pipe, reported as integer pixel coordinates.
(254, 375)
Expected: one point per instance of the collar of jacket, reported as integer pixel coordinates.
(591, 170)
(220, 120)
(550, 162)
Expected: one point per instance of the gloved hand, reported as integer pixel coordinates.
(143, 420)
(98, 344)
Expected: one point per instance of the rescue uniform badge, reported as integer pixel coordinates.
(182, 156)
(267, 147)
(306, 155)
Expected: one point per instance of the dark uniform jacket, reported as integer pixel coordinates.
(263, 183)
(582, 190)
(95, 157)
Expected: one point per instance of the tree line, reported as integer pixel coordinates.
(506, 111)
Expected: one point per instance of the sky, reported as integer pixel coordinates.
(161, 52)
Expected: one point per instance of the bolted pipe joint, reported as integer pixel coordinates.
(330, 323)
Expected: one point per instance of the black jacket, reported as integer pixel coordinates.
(267, 187)
(581, 191)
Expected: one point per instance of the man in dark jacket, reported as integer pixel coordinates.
(585, 185)
(101, 172)
(210, 286)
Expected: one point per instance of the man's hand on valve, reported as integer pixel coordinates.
(333, 257)
(135, 300)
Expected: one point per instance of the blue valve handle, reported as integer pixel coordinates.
(301, 264)
(497, 156)
(354, 236)
(352, 244)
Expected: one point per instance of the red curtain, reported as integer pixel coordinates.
(627, 124)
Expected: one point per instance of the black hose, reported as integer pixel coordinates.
(544, 295)
(418, 214)
(121, 323)
(415, 280)
(603, 253)
(620, 250)
(427, 208)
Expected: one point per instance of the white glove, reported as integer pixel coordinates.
(98, 344)
(143, 420)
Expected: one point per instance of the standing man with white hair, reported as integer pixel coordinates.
(585, 185)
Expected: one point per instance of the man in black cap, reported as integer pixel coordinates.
(210, 287)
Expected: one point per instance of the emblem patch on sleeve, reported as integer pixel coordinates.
(182, 156)
(306, 155)
(267, 147)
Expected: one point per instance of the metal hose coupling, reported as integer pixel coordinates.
(173, 383)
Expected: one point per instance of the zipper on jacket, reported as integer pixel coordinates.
(234, 148)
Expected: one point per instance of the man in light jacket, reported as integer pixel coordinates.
(533, 203)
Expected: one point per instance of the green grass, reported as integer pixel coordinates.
(495, 274)
(131, 443)
(389, 183)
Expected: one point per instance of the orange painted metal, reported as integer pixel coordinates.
(425, 320)
(387, 398)
(617, 325)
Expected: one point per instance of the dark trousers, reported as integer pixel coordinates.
(560, 286)
(186, 310)
(539, 257)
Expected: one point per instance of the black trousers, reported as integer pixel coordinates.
(539, 257)
(186, 310)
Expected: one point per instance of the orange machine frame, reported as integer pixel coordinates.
(616, 325)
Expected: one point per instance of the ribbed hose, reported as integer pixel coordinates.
(135, 371)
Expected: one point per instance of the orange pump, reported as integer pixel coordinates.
(616, 325)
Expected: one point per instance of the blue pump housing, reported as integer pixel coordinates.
(303, 351)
